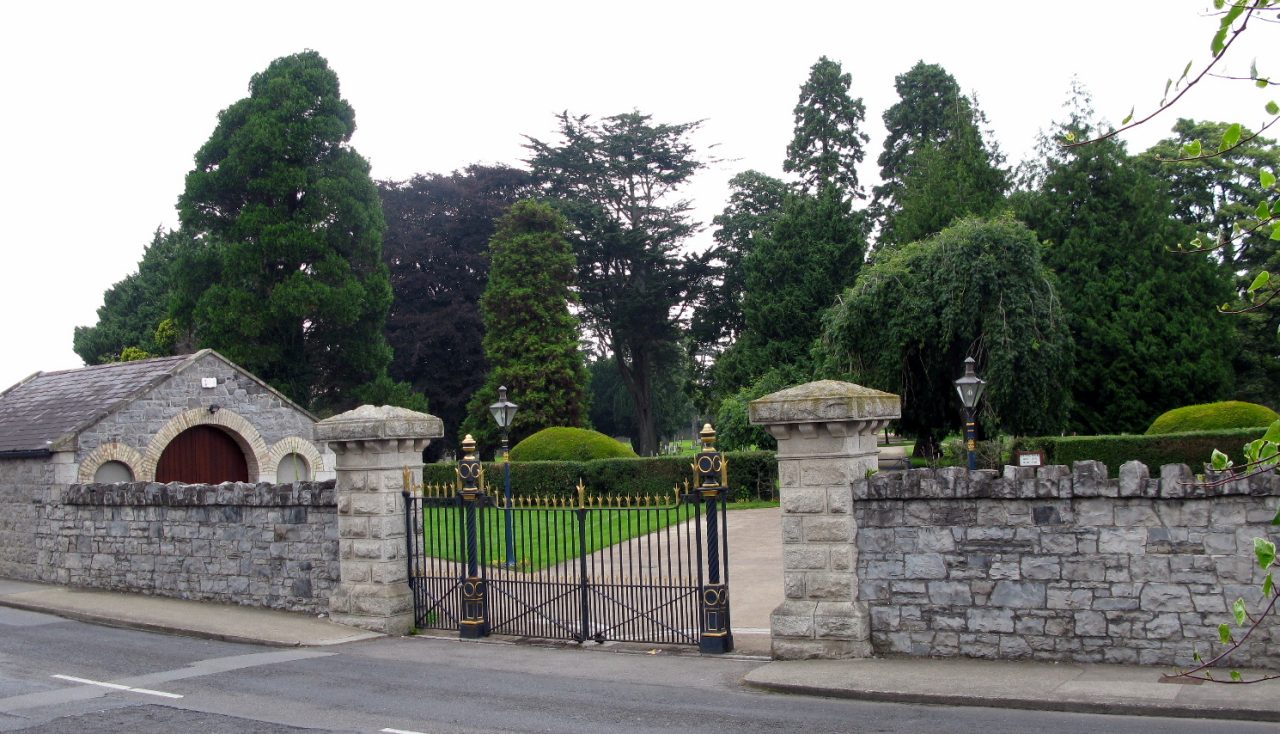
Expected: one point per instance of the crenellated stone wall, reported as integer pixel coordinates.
(255, 544)
(1060, 563)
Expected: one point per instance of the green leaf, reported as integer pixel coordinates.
(1276, 520)
(1127, 117)
(1070, 136)
(1230, 137)
(1266, 178)
(1192, 149)
(1219, 461)
(1261, 83)
(1268, 585)
(1239, 611)
(1273, 433)
(1273, 108)
(1187, 69)
(1261, 281)
(1235, 676)
(1265, 550)
(1224, 633)
(1263, 211)
(1275, 232)
(1253, 69)
(1251, 450)
(1218, 42)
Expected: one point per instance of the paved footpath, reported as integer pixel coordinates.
(756, 578)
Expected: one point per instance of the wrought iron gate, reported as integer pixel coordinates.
(640, 569)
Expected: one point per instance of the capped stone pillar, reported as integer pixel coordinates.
(826, 434)
(373, 445)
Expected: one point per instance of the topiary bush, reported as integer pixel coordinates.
(1221, 416)
(569, 444)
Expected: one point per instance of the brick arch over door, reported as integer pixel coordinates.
(245, 436)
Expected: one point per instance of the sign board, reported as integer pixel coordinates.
(208, 382)
(1030, 458)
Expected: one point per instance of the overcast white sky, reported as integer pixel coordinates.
(105, 104)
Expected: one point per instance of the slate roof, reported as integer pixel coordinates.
(49, 405)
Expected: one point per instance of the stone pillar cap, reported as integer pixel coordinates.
(382, 422)
(825, 401)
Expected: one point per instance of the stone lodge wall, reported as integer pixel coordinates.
(1060, 564)
(247, 407)
(253, 544)
(23, 483)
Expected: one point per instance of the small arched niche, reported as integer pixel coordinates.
(293, 467)
(112, 472)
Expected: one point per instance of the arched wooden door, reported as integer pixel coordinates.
(202, 455)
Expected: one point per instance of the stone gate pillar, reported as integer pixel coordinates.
(373, 445)
(826, 434)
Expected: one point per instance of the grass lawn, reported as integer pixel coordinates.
(546, 536)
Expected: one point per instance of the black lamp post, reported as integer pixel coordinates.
(970, 387)
(504, 412)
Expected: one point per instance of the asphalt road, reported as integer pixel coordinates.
(53, 671)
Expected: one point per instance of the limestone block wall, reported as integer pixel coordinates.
(254, 544)
(23, 484)
(1060, 563)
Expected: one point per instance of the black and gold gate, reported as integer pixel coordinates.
(639, 569)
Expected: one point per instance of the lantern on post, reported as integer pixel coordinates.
(504, 412)
(970, 387)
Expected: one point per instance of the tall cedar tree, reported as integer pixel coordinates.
(812, 248)
(826, 146)
(812, 253)
(755, 203)
(133, 310)
(530, 338)
(288, 280)
(616, 181)
(1146, 333)
(438, 230)
(1211, 194)
(977, 289)
(936, 166)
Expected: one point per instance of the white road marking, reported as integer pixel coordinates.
(117, 686)
(401, 731)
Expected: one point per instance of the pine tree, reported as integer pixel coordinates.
(287, 276)
(530, 338)
(936, 166)
(826, 146)
(1143, 320)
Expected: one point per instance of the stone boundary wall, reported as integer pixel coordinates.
(253, 544)
(23, 484)
(1061, 564)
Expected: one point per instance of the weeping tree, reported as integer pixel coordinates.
(979, 289)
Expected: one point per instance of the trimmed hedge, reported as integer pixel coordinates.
(1221, 416)
(1192, 448)
(569, 444)
(752, 475)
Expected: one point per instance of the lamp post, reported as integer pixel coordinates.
(504, 411)
(970, 387)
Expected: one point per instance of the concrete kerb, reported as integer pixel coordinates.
(205, 620)
(1073, 688)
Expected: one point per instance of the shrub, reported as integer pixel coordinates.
(1213, 417)
(569, 444)
(752, 475)
(1192, 449)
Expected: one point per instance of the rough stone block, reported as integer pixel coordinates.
(803, 500)
(1166, 598)
(1019, 595)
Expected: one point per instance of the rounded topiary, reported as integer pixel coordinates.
(569, 444)
(1214, 417)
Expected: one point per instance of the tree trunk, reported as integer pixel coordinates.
(639, 381)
